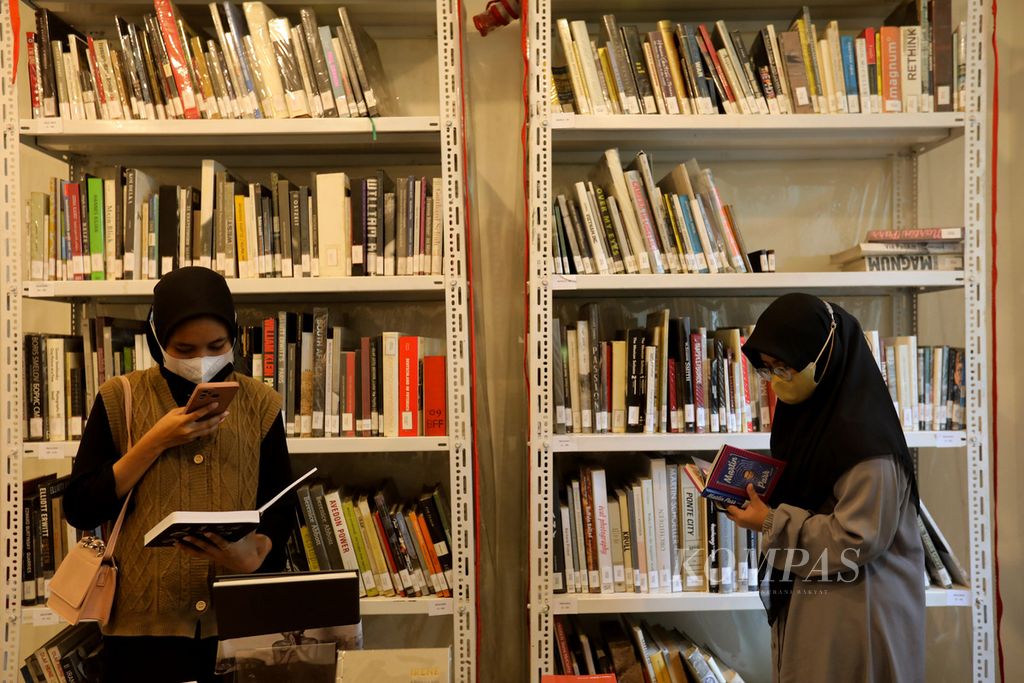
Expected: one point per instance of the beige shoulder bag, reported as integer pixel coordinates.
(84, 585)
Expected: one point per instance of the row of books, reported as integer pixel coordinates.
(629, 649)
(398, 548)
(654, 534)
(621, 221)
(336, 383)
(74, 654)
(915, 62)
(256, 66)
(128, 226)
(911, 249)
(333, 383)
(926, 383)
(669, 375)
(658, 534)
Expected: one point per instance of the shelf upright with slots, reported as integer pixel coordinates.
(902, 138)
(435, 140)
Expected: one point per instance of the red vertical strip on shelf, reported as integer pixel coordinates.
(14, 9)
(995, 355)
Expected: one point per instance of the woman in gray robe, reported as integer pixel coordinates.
(843, 567)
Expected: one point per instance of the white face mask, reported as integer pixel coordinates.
(196, 370)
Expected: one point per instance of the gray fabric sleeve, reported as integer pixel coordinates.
(860, 528)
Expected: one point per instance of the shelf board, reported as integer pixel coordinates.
(639, 11)
(391, 288)
(611, 443)
(754, 284)
(817, 136)
(40, 615)
(96, 15)
(129, 140)
(610, 603)
(55, 450)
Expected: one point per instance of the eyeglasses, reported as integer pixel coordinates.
(784, 372)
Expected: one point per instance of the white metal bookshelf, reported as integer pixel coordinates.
(573, 140)
(434, 140)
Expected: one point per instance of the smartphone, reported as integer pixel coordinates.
(206, 393)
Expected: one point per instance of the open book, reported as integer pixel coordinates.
(229, 524)
(724, 480)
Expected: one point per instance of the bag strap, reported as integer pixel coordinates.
(108, 553)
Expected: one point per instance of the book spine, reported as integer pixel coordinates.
(359, 547)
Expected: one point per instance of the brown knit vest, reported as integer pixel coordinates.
(163, 591)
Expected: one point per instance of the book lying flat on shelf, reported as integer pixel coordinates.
(230, 525)
(725, 479)
(419, 665)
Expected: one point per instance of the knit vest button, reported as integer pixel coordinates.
(201, 606)
(198, 459)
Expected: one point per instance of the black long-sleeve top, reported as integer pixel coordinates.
(91, 497)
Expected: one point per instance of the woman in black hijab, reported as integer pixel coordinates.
(162, 628)
(843, 567)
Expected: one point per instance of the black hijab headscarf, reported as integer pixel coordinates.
(184, 294)
(848, 419)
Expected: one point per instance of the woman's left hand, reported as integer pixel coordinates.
(244, 556)
(751, 515)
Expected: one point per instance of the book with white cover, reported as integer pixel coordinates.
(333, 193)
(258, 16)
(229, 524)
(422, 665)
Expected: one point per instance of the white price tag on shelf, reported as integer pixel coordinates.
(949, 439)
(561, 444)
(44, 617)
(441, 607)
(563, 120)
(49, 451)
(959, 598)
(39, 289)
(564, 606)
(47, 126)
(563, 281)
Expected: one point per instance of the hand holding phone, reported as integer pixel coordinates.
(206, 393)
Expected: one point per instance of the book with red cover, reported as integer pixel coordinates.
(167, 18)
(349, 409)
(71, 191)
(269, 347)
(365, 424)
(408, 386)
(892, 70)
(435, 404)
(725, 480)
(588, 678)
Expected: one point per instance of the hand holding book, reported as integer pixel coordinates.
(752, 515)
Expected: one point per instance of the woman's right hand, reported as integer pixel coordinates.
(178, 427)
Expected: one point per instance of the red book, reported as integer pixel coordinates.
(408, 386)
(435, 563)
(165, 15)
(75, 229)
(33, 75)
(435, 403)
(348, 358)
(97, 78)
(747, 410)
(564, 653)
(710, 46)
(697, 361)
(389, 558)
(673, 397)
(365, 404)
(269, 355)
(892, 69)
(587, 678)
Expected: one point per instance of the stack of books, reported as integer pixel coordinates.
(634, 650)
(256, 66)
(911, 249)
(125, 225)
(399, 549)
(915, 62)
(621, 221)
(926, 383)
(74, 654)
(662, 376)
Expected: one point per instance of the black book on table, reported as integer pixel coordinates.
(253, 605)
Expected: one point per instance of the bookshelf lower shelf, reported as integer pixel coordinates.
(707, 602)
(754, 284)
(56, 450)
(595, 443)
(40, 615)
